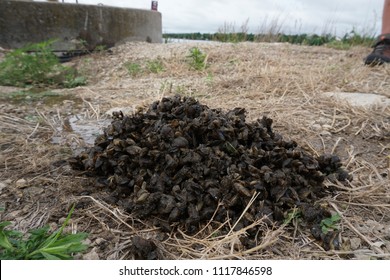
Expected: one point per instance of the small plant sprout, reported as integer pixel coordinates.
(209, 78)
(134, 69)
(155, 66)
(330, 224)
(197, 59)
(292, 216)
(151, 66)
(100, 48)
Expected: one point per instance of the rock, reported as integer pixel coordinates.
(143, 249)
(325, 133)
(21, 183)
(35, 191)
(3, 185)
(360, 99)
(316, 127)
(99, 241)
(356, 242)
(91, 255)
(387, 244)
(362, 256)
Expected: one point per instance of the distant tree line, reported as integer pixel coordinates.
(348, 39)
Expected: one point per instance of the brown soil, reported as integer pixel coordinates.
(281, 81)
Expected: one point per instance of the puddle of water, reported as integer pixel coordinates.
(85, 129)
(59, 99)
(88, 129)
(34, 96)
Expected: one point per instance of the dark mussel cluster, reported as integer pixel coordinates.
(181, 161)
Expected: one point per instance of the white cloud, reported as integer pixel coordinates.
(295, 15)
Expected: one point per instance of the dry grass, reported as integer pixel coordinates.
(282, 81)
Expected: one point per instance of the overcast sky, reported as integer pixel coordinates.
(293, 16)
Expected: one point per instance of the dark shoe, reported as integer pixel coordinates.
(381, 52)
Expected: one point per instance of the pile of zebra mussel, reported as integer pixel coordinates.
(182, 163)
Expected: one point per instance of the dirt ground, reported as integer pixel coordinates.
(282, 81)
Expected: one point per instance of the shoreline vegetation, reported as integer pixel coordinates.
(348, 40)
(273, 31)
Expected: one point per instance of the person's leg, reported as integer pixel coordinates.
(386, 18)
(381, 52)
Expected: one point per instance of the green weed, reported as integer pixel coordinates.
(151, 66)
(155, 66)
(330, 224)
(197, 59)
(100, 48)
(36, 64)
(293, 215)
(210, 78)
(134, 69)
(71, 79)
(40, 244)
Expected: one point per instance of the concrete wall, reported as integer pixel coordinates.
(23, 22)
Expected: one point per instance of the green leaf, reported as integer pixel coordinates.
(48, 256)
(54, 236)
(4, 224)
(4, 242)
(291, 215)
(330, 223)
(335, 218)
(67, 245)
(72, 238)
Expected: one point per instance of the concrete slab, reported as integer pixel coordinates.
(23, 22)
(360, 99)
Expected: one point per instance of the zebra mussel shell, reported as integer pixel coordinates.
(184, 163)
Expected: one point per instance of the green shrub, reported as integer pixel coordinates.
(36, 64)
